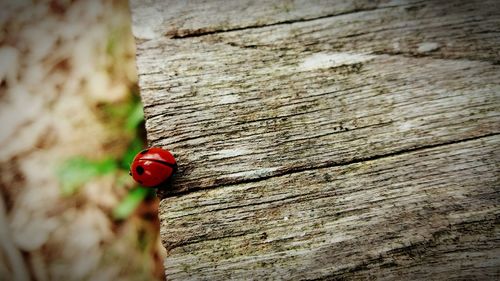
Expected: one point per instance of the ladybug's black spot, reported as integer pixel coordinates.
(144, 151)
(139, 170)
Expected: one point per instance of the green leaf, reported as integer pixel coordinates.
(112, 43)
(105, 166)
(76, 171)
(134, 147)
(118, 111)
(135, 117)
(130, 202)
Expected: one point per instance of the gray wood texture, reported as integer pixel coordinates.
(428, 214)
(324, 140)
(177, 19)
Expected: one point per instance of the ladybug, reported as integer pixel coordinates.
(153, 167)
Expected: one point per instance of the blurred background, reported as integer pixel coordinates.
(71, 122)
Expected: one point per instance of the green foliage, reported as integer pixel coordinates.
(134, 117)
(128, 115)
(135, 146)
(76, 171)
(112, 43)
(130, 202)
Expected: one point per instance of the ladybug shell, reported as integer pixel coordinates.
(152, 167)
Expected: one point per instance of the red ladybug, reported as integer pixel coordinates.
(153, 166)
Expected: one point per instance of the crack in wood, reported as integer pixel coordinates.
(405, 232)
(186, 34)
(221, 183)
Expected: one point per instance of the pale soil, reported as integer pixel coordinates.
(58, 64)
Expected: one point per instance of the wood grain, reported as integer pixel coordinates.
(177, 19)
(431, 214)
(234, 114)
(351, 140)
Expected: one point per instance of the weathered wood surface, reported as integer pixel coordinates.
(179, 19)
(424, 214)
(328, 140)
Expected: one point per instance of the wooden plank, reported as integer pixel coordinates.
(432, 214)
(357, 142)
(233, 110)
(440, 29)
(179, 19)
